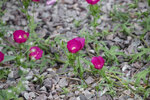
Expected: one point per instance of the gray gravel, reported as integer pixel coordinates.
(59, 19)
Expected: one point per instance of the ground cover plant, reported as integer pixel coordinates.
(74, 50)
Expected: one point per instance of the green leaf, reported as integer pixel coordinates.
(9, 58)
(148, 2)
(141, 75)
(147, 93)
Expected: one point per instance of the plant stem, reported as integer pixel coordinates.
(57, 60)
(126, 86)
(80, 68)
(148, 79)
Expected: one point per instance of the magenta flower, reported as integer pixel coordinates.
(36, 52)
(75, 44)
(50, 2)
(98, 62)
(92, 2)
(1, 56)
(20, 36)
(36, 0)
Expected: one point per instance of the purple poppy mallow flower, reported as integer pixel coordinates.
(51, 2)
(35, 53)
(75, 44)
(98, 62)
(36, 0)
(20, 36)
(1, 56)
(92, 2)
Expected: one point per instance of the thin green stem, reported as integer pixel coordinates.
(57, 60)
(148, 79)
(80, 67)
(126, 86)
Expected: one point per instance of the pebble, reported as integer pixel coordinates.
(26, 95)
(48, 83)
(30, 75)
(73, 98)
(82, 97)
(50, 96)
(50, 18)
(11, 74)
(77, 92)
(87, 94)
(105, 97)
(41, 97)
(63, 82)
(43, 88)
(89, 80)
(69, 1)
(125, 66)
(130, 99)
(110, 37)
(32, 95)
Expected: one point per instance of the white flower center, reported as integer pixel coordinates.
(33, 50)
(19, 37)
(73, 48)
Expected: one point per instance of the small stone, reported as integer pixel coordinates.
(69, 1)
(82, 97)
(32, 95)
(50, 97)
(78, 98)
(129, 38)
(100, 93)
(48, 83)
(106, 97)
(94, 85)
(23, 22)
(55, 79)
(128, 74)
(92, 51)
(89, 80)
(117, 39)
(62, 96)
(110, 37)
(26, 95)
(41, 97)
(70, 94)
(123, 97)
(10, 52)
(27, 87)
(11, 74)
(77, 92)
(125, 66)
(55, 18)
(50, 70)
(45, 15)
(73, 98)
(63, 82)
(87, 94)
(44, 74)
(56, 97)
(43, 88)
(138, 29)
(130, 99)
(30, 75)
(81, 89)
